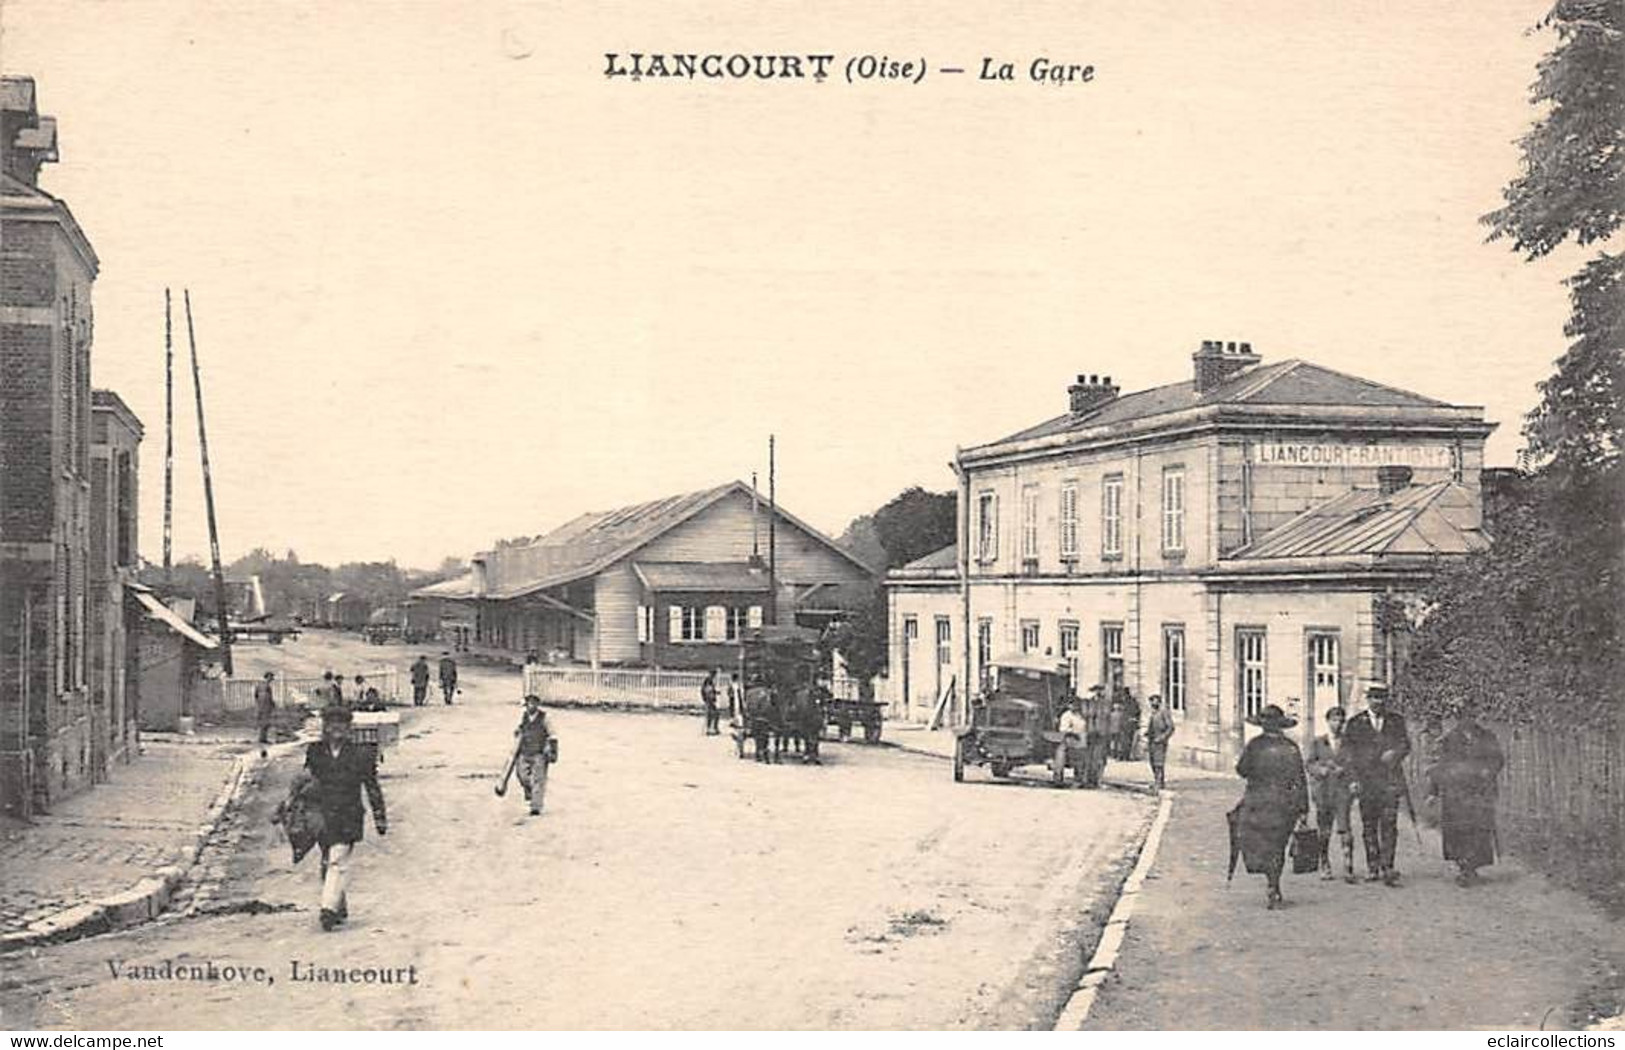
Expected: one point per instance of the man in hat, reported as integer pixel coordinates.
(533, 734)
(264, 710)
(1377, 743)
(1276, 797)
(708, 697)
(1332, 783)
(448, 676)
(343, 770)
(1131, 724)
(366, 697)
(1075, 730)
(420, 680)
(1159, 729)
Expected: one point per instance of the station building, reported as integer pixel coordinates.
(1226, 542)
(672, 583)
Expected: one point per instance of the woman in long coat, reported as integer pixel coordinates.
(1277, 797)
(1465, 779)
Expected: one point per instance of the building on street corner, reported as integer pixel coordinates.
(1225, 542)
(62, 713)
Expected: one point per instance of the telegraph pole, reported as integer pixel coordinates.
(772, 536)
(208, 498)
(169, 435)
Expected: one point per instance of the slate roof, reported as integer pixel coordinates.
(671, 576)
(1289, 382)
(456, 587)
(1439, 518)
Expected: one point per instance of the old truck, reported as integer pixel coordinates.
(1013, 724)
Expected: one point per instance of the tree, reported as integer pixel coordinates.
(1573, 184)
(1530, 630)
(909, 526)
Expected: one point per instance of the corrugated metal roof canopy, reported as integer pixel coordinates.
(1438, 518)
(157, 610)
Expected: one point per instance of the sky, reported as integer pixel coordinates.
(451, 283)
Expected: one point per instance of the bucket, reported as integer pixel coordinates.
(185, 725)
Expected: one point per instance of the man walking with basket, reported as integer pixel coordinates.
(343, 770)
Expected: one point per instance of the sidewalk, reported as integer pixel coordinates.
(1513, 953)
(111, 854)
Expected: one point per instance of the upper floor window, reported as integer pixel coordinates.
(987, 527)
(1173, 508)
(1029, 636)
(1069, 521)
(1111, 516)
(1029, 523)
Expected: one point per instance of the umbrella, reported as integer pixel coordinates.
(1233, 818)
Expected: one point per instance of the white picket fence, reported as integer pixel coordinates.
(237, 694)
(644, 687)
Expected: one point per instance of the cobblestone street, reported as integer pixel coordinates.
(668, 885)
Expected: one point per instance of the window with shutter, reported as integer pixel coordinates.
(716, 623)
(674, 623)
(1111, 516)
(755, 616)
(1029, 523)
(1173, 509)
(643, 625)
(1069, 521)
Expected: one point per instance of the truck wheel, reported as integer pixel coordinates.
(1057, 766)
(1001, 769)
(871, 732)
(959, 760)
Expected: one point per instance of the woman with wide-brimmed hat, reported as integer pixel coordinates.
(1277, 797)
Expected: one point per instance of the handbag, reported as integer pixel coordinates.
(552, 749)
(1305, 849)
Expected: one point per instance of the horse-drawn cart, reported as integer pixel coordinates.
(784, 706)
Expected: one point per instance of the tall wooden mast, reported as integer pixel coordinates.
(772, 537)
(208, 498)
(169, 436)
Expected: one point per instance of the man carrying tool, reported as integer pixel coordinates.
(534, 751)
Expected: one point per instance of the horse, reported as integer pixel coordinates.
(802, 722)
(762, 720)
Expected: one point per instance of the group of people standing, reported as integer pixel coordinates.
(1123, 728)
(1361, 759)
(711, 696)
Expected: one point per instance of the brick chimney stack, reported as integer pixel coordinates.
(27, 140)
(1217, 361)
(1089, 393)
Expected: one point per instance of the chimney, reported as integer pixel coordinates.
(1217, 361)
(480, 581)
(1089, 393)
(1391, 479)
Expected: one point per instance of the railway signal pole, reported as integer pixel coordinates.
(169, 436)
(208, 498)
